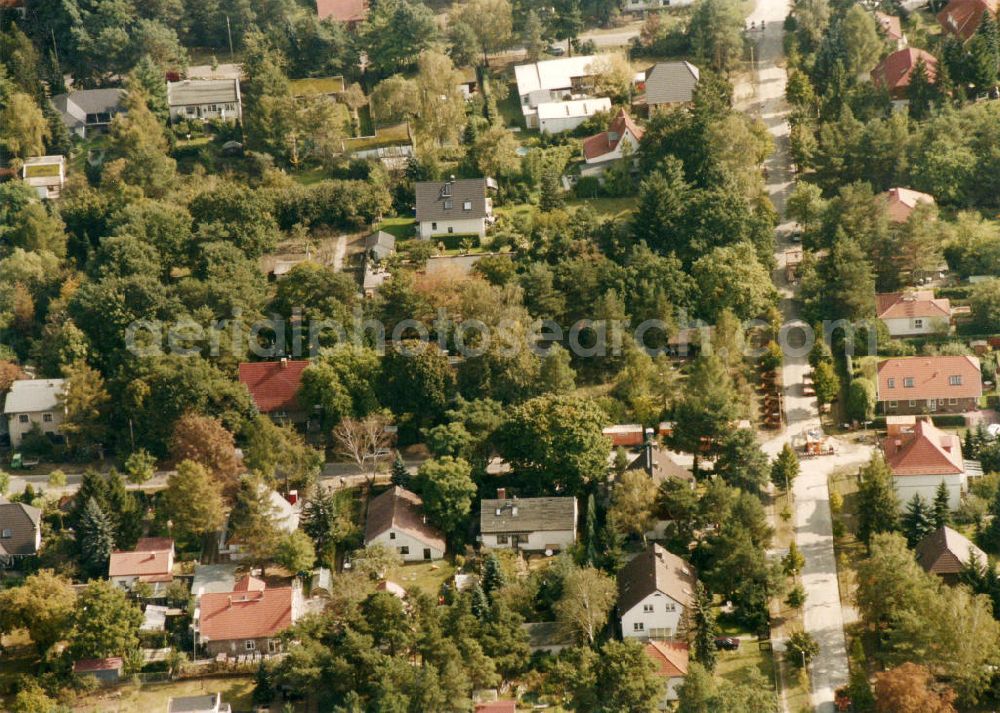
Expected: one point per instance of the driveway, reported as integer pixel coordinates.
(823, 616)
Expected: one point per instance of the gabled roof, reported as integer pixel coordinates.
(655, 570)
(445, 200)
(34, 395)
(963, 17)
(932, 377)
(273, 384)
(671, 83)
(607, 141)
(75, 106)
(194, 92)
(574, 108)
(901, 202)
(527, 515)
(660, 465)
(150, 561)
(945, 551)
(670, 657)
(381, 243)
(399, 509)
(894, 71)
(249, 583)
(246, 614)
(916, 303)
(23, 522)
(552, 73)
(926, 450)
(342, 10)
(890, 25)
(497, 707)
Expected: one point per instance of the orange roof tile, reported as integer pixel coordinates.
(245, 615)
(894, 71)
(607, 141)
(926, 450)
(342, 10)
(963, 17)
(273, 384)
(931, 378)
(111, 663)
(670, 657)
(497, 707)
(900, 202)
(917, 303)
(249, 584)
(151, 561)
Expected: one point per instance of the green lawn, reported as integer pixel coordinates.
(402, 228)
(426, 576)
(153, 697)
(316, 86)
(384, 136)
(606, 208)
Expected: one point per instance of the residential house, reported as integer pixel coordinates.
(249, 619)
(894, 72)
(274, 386)
(284, 513)
(654, 590)
(396, 520)
(660, 465)
(901, 202)
(152, 562)
(670, 84)
(20, 532)
(891, 28)
(962, 18)
(46, 174)
(211, 703)
(602, 150)
(556, 117)
(913, 313)
(496, 707)
(88, 110)
(154, 617)
(921, 457)
(528, 524)
(553, 81)
(205, 99)
(671, 661)
(625, 434)
(108, 670)
(469, 85)
(34, 402)
(210, 578)
(639, 7)
(945, 553)
(929, 384)
(349, 12)
(549, 637)
(380, 245)
(459, 207)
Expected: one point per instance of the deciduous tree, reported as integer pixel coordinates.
(587, 597)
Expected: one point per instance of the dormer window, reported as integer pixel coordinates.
(448, 204)
(908, 382)
(467, 205)
(955, 380)
(892, 383)
(446, 190)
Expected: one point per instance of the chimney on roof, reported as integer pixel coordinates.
(284, 362)
(513, 511)
(230, 598)
(501, 493)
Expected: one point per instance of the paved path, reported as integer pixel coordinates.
(823, 614)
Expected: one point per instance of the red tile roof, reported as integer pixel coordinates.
(894, 71)
(245, 615)
(400, 509)
(963, 17)
(607, 141)
(917, 303)
(671, 658)
(249, 584)
(931, 378)
(273, 384)
(151, 561)
(926, 450)
(625, 434)
(497, 707)
(900, 202)
(153, 544)
(342, 10)
(111, 663)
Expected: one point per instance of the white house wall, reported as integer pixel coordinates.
(536, 541)
(660, 623)
(904, 327)
(926, 485)
(475, 226)
(18, 429)
(397, 540)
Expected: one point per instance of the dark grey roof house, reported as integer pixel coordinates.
(454, 206)
(205, 99)
(531, 524)
(20, 531)
(88, 108)
(670, 83)
(380, 244)
(660, 465)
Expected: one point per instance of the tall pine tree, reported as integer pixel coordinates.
(95, 538)
(941, 512)
(876, 499)
(917, 520)
(703, 628)
(400, 475)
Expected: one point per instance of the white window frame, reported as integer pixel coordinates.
(671, 606)
(250, 645)
(404, 549)
(891, 383)
(893, 404)
(638, 626)
(952, 402)
(955, 380)
(23, 418)
(908, 382)
(918, 323)
(467, 205)
(47, 418)
(392, 535)
(912, 403)
(647, 608)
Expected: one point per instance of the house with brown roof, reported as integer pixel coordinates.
(913, 313)
(891, 28)
(671, 661)
(274, 387)
(497, 707)
(655, 589)
(152, 562)
(901, 202)
(20, 532)
(107, 670)
(601, 150)
(929, 384)
(945, 553)
(962, 18)
(895, 71)
(920, 457)
(249, 619)
(670, 84)
(660, 465)
(349, 12)
(396, 520)
(528, 524)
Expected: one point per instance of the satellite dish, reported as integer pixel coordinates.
(549, 553)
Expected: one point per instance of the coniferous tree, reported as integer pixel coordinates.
(551, 197)
(493, 577)
(921, 92)
(876, 499)
(703, 628)
(400, 475)
(480, 603)
(590, 543)
(96, 539)
(917, 521)
(990, 537)
(785, 467)
(941, 512)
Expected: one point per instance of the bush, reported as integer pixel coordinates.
(587, 187)
(801, 648)
(839, 530)
(797, 597)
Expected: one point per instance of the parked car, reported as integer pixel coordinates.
(556, 50)
(727, 643)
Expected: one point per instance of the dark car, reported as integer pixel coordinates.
(727, 643)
